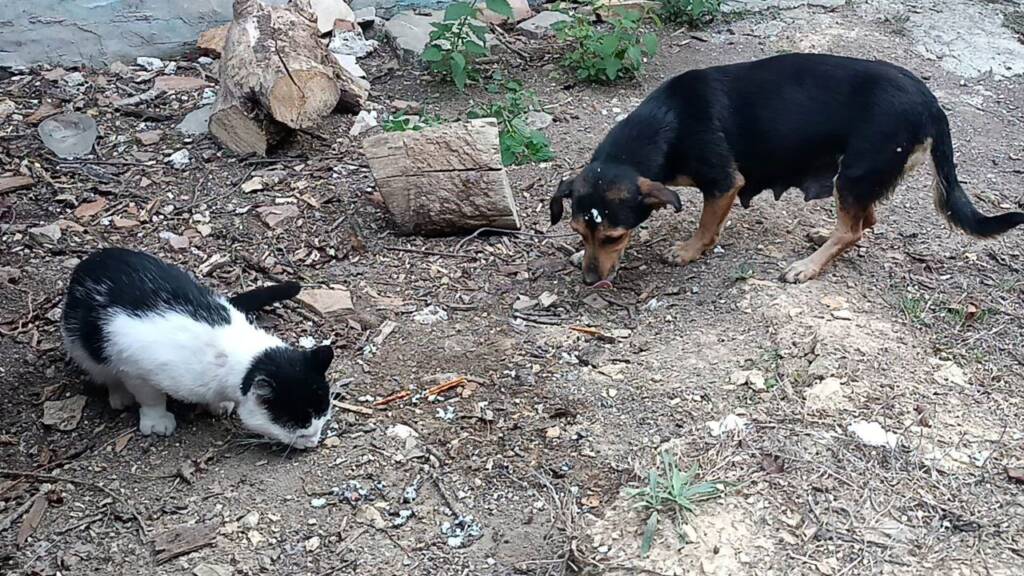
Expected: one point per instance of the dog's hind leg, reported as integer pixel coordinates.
(848, 230)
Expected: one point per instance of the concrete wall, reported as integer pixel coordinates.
(98, 32)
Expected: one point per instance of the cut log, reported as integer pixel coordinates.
(276, 71)
(443, 180)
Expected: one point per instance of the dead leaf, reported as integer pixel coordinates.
(122, 441)
(32, 519)
(125, 223)
(182, 540)
(275, 215)
(64, 415)
(772, 464)
(89, 209)
(14, 183)
(45, 110)
(971, 312)
(326, 301)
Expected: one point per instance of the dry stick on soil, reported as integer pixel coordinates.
(32, 475)
(566, 517)
(458, 247)
(430, 252)
(13, 516)
(392, 398)
(352, 407)
(445, 386)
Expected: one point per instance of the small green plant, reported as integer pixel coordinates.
(914, 308)
(520, 144)
(617, 54)
(743, 272)
(675, 493)
(457, 40)
(689, 13)
(400, 122)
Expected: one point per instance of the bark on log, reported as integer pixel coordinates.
(276, 72)
(443, 180)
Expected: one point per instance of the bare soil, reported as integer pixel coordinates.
(922, 326)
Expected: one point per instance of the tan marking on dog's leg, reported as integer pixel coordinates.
(869, 219)
(918, 156)
(847, 232)
(712, 220)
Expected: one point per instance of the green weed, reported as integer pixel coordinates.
(520, 144)
(689, 13)
(458, 40)
(617, 54)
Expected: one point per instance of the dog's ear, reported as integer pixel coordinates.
(564, 191)
(657, 195)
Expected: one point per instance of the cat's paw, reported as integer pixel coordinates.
(156, 421)
(120, 399)
(221, 408)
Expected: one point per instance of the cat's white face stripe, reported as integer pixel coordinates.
(255, 417)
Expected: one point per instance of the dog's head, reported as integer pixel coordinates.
(608, 202)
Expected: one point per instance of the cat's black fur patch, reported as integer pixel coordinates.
(138, 284)
(291, 384)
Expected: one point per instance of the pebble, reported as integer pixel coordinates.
(180, 159)
(151, 64)
(318, 503)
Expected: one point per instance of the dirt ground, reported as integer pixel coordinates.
(523, 469)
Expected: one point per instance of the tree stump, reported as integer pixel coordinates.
(275, 75)
(443, 180)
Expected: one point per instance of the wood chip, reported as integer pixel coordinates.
(32, 519)
(89, 209)
(64, 415)
(122, 441)
(13, 183)
(352, 407)
(182, 540)
(444, 387)
(325, 301)
(402, 395)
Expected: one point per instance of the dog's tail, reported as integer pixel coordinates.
(259, 298)
(950, 199)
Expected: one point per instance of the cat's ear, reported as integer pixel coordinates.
(263, 387)
(322, 356)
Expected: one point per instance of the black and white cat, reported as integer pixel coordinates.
(147, 330)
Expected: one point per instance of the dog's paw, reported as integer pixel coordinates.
(682, 253)
(120, 399)
(156, 421)
(800, 271)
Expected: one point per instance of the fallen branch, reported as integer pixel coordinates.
(402, 395)
(444, 387)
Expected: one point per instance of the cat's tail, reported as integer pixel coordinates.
(259, 298)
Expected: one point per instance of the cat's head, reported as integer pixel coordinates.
(285, 395)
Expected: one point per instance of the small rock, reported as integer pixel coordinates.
(410, 494)
(755, 378)
(523, 303)
(547, 299)
(255, 538)
(64, 415)
(254, 184)
(250, 520)
(826, 395)
(7, 108)
(834, 302)
(731, 423)
(430, 315)
(9, 275)
(177, 242)
(401, 431)
(541, 25)
(537, 120)
(326, 301)
(171, 68)
(872, 434)
(120, 69)
(403, 518)
(553, 432)
(150, 64)
(332, 442)
(211, 570)
(196, 122)
(329, 12)
(48, 234)
(369, 515)
(520, 11)
(179, 160)
(349, 63)
(69, 135)
(209, 96)
(351, 43)
(73, 79)
(149, 137)
(318, 503)
(312, 544)
(364, 121)
(842, 315)
(461, 533)
(949, 373)
(406, 107)
(275, 215)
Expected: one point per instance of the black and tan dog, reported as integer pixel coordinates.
(829, 125)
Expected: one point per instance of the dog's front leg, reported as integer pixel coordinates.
(712, 220)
